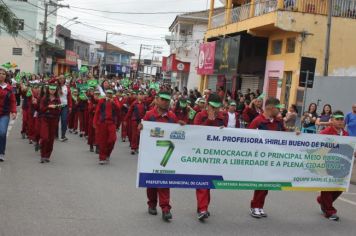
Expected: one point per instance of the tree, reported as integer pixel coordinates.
(8, 20)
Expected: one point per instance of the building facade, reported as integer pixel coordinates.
(187, 32)
(281, 41)
(118, 60)
(24, 49)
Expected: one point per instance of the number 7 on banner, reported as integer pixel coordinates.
(168, 154)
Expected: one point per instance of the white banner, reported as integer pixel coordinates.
(177, 156)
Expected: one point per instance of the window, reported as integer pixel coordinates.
(20, 24)
(17, 51)
(51, 32)
(277, 47)
(290, 45)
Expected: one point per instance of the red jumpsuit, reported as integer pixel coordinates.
(327, 198)
(83, 115)
(49, 126)
(162, 193)
(135, 114)
(91, 130)
(203, 195)
(249, 114)
(25, 114)
(105, 122)
(262, 123)
(73, 116)
(182, 114)
(123, 112)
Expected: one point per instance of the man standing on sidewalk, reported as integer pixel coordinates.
(350, 121)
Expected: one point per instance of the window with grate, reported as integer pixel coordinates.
(17, 51)
(290, 45)
(277, 47)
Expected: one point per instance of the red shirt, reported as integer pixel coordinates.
(202, 119)
(237, 125)
(47, 112)
(249, 114)
(7, 100)
(136, 111)
(181, 115)
(153, 115)
(106, 111)
(262, 123)
(332, 131)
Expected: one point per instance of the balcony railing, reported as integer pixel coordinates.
(218, 20)
(340, 8)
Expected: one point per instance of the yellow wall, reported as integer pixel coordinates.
(343, 40)
(291, 60)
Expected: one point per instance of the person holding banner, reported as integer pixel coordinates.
(327, 198)
(253, 110)
(268, 120)
(212, 116)
(160, 113)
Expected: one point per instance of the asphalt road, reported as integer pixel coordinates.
(73, 195)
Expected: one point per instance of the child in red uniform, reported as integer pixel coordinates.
(135, 114)
(327, 198)
(125, 107)
(73, 115)
(160, 113)
(268, 120)
(91, 110)
(181, 110)
(212, 116)
(34, 119)
(105, 124)
(50, 110)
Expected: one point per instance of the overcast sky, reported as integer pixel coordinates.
(121, 23)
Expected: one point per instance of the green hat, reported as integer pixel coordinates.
(91, 89)
(280, 106)
(52, 87)
(96, 92)
(214, 100)
(200, 100)
(110, 91)
(339, 116)
(183, 102)
(232, 103)
(262, 96)
(165, 95)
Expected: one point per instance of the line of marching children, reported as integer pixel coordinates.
(98, 112)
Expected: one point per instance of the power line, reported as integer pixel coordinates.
(131, 13)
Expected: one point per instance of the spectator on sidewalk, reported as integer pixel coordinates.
(350, 121)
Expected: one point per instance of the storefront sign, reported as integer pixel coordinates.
(206, 58)
(227, 55)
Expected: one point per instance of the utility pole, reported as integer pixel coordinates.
(105, 52)
(327, 44)
(44, 31)
(142, 46)
(138, 62)
(153, 54)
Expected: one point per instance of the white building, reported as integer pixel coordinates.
(24, 49)
(187, 33)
